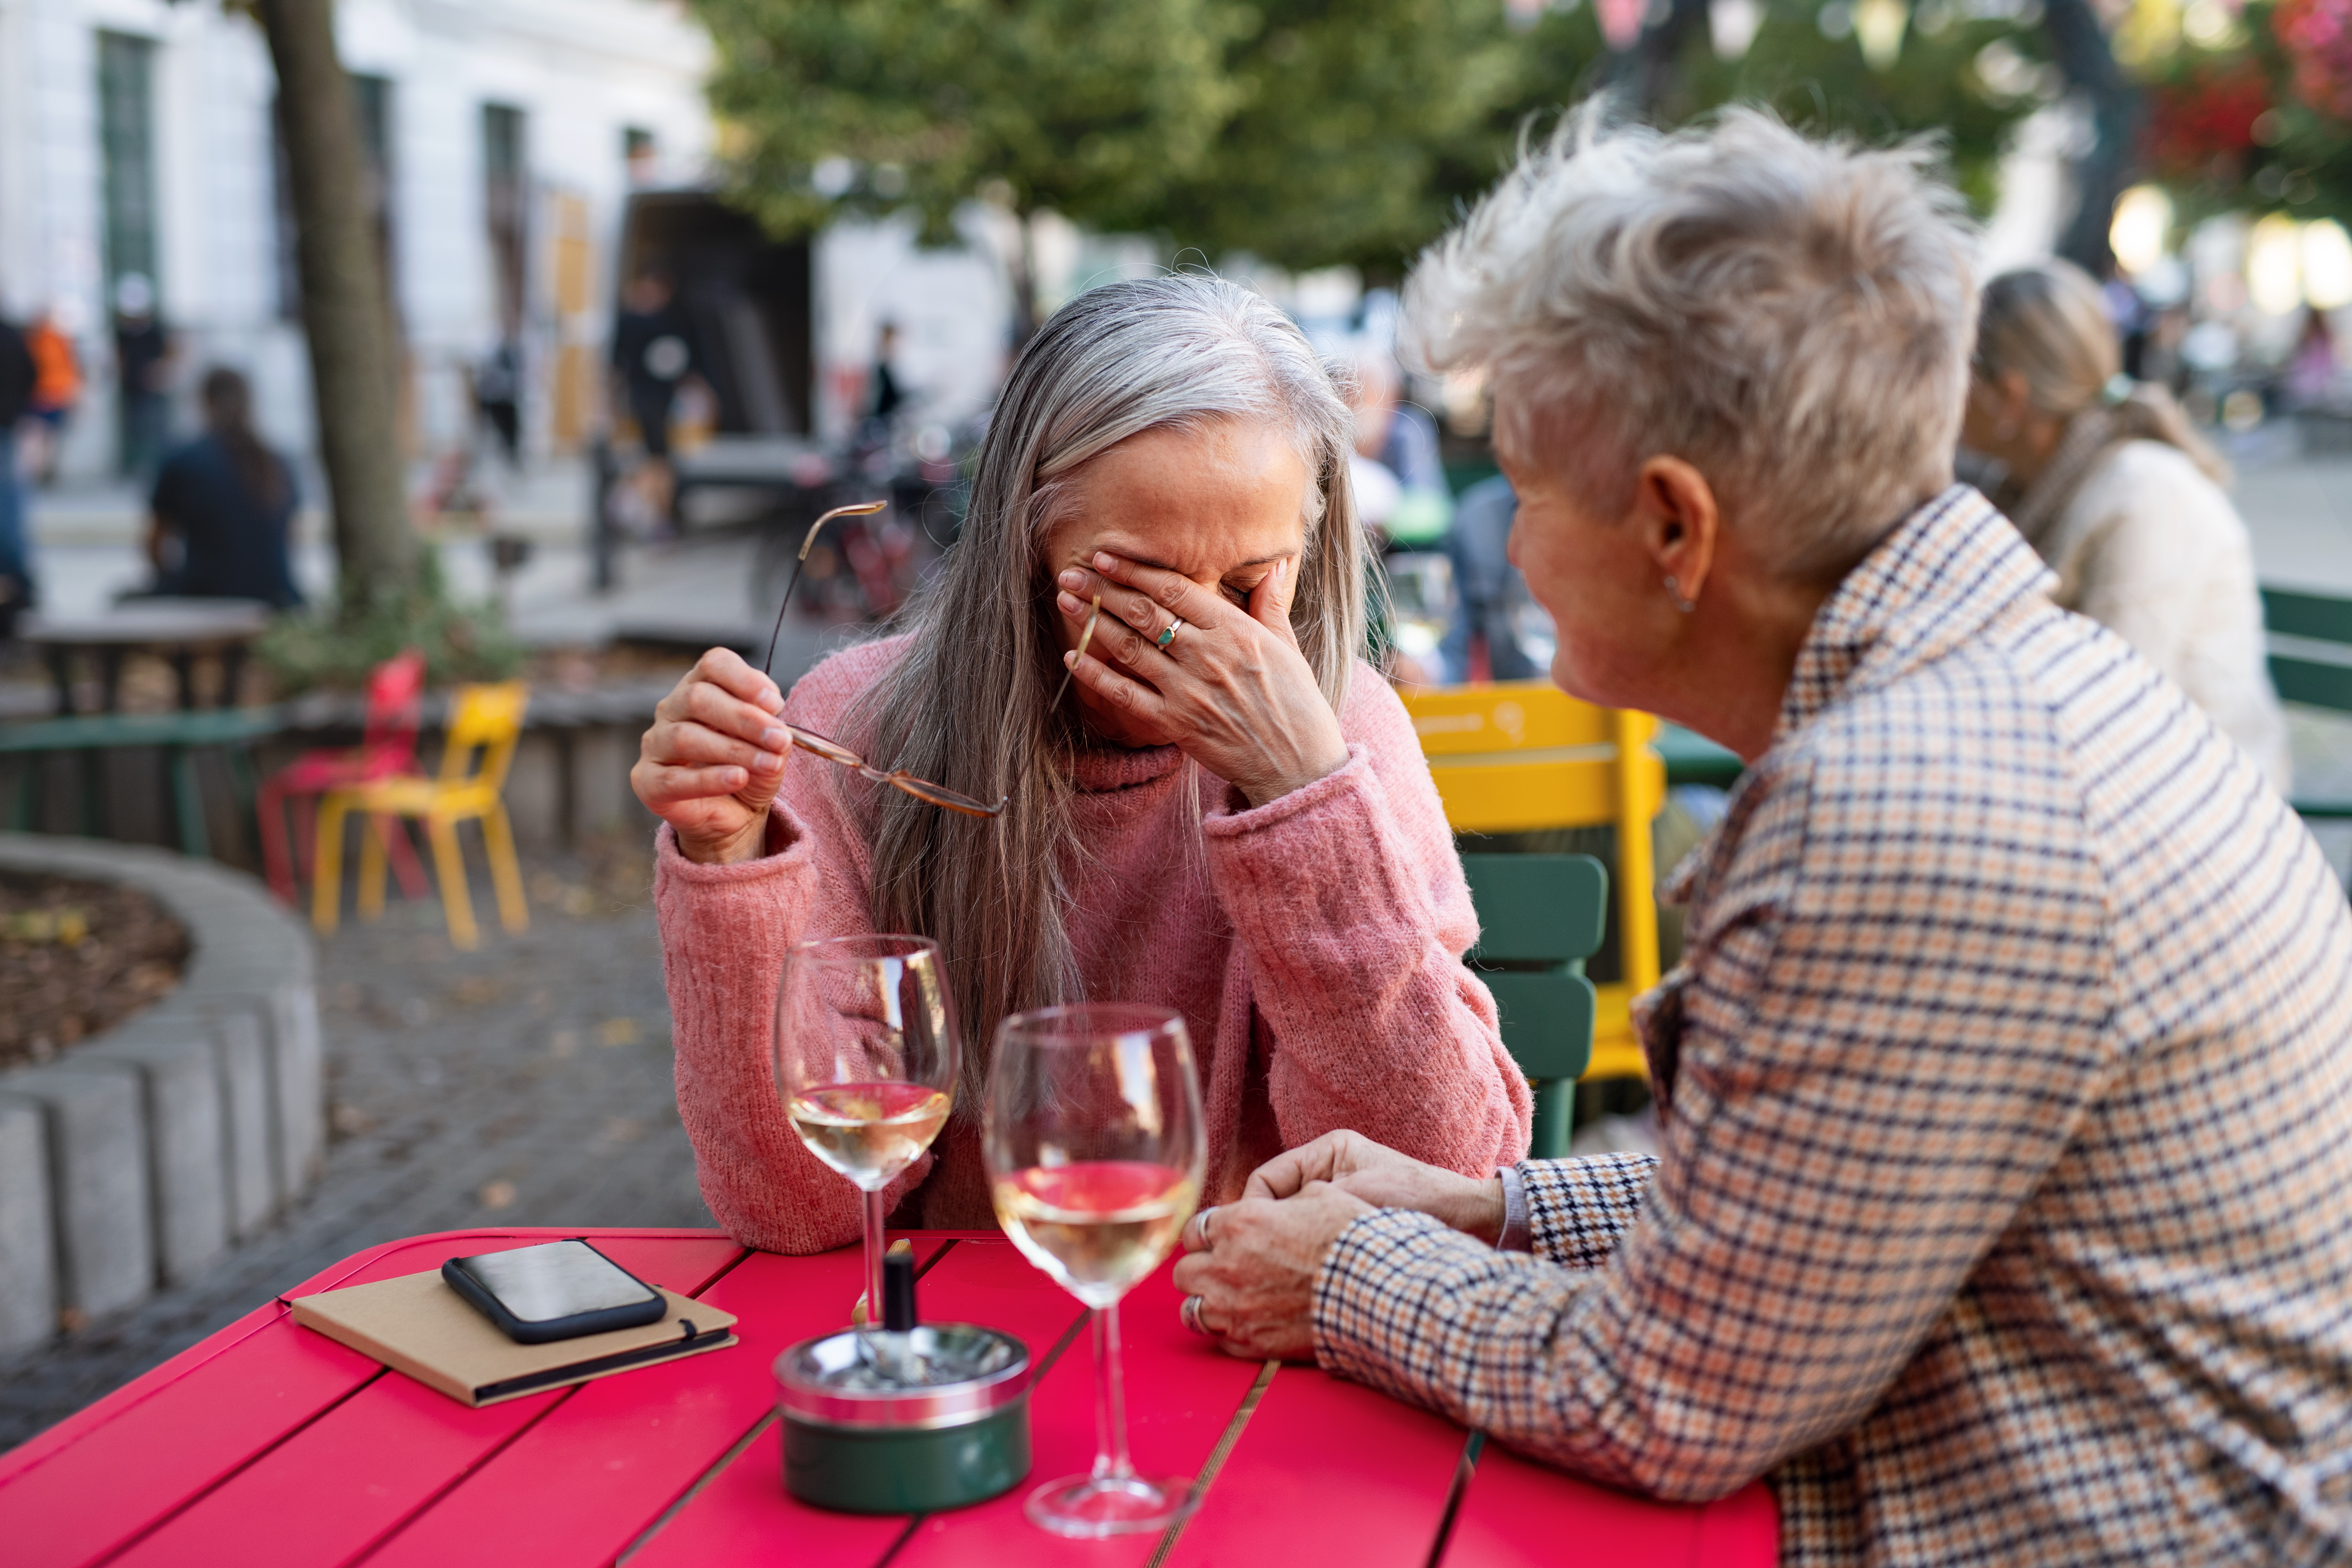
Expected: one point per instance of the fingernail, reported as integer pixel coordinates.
(1071, 603)
(1105, 561)
(1073, 579)
(736, 778)
(774, 739)
(768, 762)
(773, 700)
(1070, 659)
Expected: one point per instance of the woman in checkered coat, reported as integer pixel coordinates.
(2005, 1089)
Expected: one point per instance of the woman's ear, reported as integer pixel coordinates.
(1679, 524)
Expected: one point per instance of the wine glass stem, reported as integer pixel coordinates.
(874, 1259)
(1110, 1399)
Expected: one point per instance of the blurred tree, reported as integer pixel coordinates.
(345, 314)
(1094, 108)
(1348, 115)
(1804, 61)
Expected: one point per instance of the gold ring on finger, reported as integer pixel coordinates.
(1170, 635)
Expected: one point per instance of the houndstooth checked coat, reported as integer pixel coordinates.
(2003, 1211)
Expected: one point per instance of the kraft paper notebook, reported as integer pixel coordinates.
(417, 1324)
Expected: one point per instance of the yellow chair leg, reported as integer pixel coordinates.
(326, 868)
(506, 874)
(450, 867)
(372, 868)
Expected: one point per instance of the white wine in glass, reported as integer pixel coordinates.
(865, 1060)
(1091, 1131)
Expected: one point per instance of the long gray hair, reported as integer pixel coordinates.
(966, 703)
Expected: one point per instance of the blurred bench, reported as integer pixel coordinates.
(2311, 663)
(234, 730)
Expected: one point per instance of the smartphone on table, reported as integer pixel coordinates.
(555, 1290)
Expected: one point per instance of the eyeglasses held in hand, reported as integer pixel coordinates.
(897, 778)
(859, 509)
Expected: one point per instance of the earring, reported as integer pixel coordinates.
(1674, 592)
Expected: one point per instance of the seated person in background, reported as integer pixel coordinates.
(2123, 498)
(222, 507)
(1483, 584)
(2005, 1087)
(1228, 814)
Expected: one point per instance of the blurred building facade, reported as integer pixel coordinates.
(502, 138)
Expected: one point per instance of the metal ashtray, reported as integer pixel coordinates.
(880, 1421)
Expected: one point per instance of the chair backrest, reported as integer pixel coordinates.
(1520, 755)
(1539, 918)
(2311, 648)
(486, 720)
(395, 703)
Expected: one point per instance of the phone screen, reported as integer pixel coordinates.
(554, 1279)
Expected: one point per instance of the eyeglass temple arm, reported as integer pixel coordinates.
(859, 509)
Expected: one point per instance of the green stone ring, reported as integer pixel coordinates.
(1170, 635)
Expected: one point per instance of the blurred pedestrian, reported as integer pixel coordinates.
(1486, 586)
(497, 396)
(2116, 490)
(57, 389)
(143, 367)
(889, 396)
(2311, 373)
(18, 377)
(1402, 438)
(224, 507)
(653, 353)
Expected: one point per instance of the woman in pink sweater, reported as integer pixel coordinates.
(1232, 819)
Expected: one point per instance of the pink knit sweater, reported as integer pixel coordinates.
(1317, 965)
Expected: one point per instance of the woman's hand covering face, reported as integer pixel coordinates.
(1202, 527)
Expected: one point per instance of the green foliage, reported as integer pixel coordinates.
(1091, 107)
(1308, 132)
(327, 648)
(1349, 117)
(1816, 82)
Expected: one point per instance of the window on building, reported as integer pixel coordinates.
(637, 153)
(126, 133)
(505, 205)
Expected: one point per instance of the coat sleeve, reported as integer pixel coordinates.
(725, 930)
(1861, 1108)
(1351, 907)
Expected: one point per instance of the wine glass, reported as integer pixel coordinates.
(865, 1061)
(1091, 1132)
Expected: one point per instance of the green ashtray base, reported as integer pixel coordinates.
(907, 1469)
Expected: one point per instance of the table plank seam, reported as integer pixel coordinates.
(185, 1503)
(1214, 1463)
(1471, 1447)
(723, 1271)
(694, 1488)
(392, 1530)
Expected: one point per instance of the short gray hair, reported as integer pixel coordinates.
(1793, 317)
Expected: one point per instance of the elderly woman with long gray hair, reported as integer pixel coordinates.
(2005, 1085)
(1227, 815)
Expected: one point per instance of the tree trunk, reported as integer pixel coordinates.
(354, 375)
(1025, 282)
(2101, 174)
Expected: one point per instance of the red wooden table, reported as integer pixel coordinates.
(268, 1443)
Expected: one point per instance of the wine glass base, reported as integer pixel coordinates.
(1089, 1508)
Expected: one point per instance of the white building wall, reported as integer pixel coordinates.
(580, 71)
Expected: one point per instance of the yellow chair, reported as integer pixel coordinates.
(485, 724)
(1519, 757)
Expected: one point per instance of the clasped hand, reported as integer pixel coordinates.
(1254, 1262)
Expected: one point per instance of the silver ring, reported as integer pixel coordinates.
(1191, 1312)
(1170, 635)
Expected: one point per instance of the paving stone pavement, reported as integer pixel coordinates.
(525, 1083)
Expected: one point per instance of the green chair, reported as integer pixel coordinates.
(2311, 663)
(1539, 918)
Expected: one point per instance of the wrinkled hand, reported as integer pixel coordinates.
(1233, 691)
(1383, 1178)
(714, 759)
(1254, 1263)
